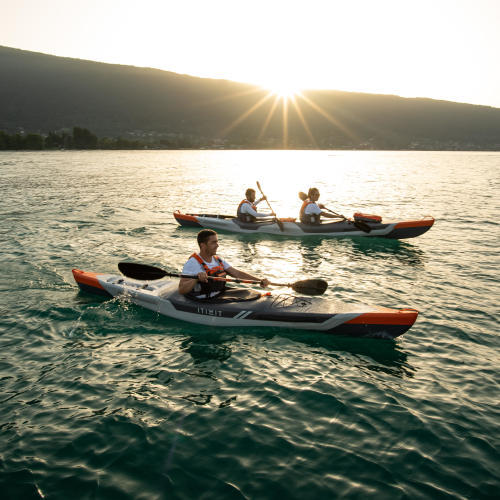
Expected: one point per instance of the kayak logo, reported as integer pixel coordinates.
(208, 312)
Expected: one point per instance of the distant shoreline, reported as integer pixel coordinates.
(253, 149)
(83, 139)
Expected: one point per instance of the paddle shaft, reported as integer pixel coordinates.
(362, 226)
(216, 278)
(280, 224)
(145, 272)
(335, 213)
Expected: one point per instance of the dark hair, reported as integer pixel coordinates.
(312, 191)
(249, 191)
(204, 235)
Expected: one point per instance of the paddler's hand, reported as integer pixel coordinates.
(263, 198)
(203, 277)
(264, 283)
(320, 205)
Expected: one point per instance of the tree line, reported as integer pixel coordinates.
(79, 138)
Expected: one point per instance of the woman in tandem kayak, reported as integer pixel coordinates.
(311, 212)
(205, 264)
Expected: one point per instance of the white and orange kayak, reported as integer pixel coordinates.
(290, 227)
(248, 308)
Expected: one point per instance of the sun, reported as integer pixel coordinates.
(283, 91)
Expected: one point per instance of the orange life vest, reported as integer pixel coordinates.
(211, 285)
(245, 217)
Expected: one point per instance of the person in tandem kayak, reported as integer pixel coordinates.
(311, 212)
(206, 263)
(247, 209)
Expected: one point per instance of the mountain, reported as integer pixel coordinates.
(41, 93)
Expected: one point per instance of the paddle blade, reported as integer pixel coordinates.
(280, 224)
(310, 287)
(362, 226)
(141, 271)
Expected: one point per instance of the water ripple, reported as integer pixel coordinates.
(106, 399)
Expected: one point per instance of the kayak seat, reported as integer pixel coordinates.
(231, 295)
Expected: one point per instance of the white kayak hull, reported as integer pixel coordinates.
(340, 229)
(268, 310)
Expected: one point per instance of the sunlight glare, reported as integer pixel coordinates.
(283, 91)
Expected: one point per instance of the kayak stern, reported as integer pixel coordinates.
(89, 282)
(186, 220)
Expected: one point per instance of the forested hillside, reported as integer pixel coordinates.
(41, 94)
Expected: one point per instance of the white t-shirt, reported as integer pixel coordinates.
(246, 208)
(312, 209)
(192, 267)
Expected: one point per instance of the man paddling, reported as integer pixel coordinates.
(247, 209)
(206, 263)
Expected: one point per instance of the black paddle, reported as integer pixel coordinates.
(280, 224)
(150, 273)
(362, 226)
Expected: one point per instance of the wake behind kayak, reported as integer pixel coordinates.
(260, 310)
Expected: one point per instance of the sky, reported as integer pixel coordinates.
(442, 49)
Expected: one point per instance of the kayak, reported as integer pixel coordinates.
(289, 226)
(249, 308)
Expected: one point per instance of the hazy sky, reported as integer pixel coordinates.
(444, 49)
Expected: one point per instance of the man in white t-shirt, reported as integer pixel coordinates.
(247, 209)
(206, 263)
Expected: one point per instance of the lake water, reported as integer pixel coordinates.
(103, 399)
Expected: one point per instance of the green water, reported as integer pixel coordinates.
(103, 399)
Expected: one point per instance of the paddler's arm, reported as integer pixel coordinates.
(187, 284)
(236, 273)
(328, 215)
(250, 211)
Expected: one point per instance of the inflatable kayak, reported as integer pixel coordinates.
(248, 308)
(227, 223)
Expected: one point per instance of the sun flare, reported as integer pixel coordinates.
(283, 91)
